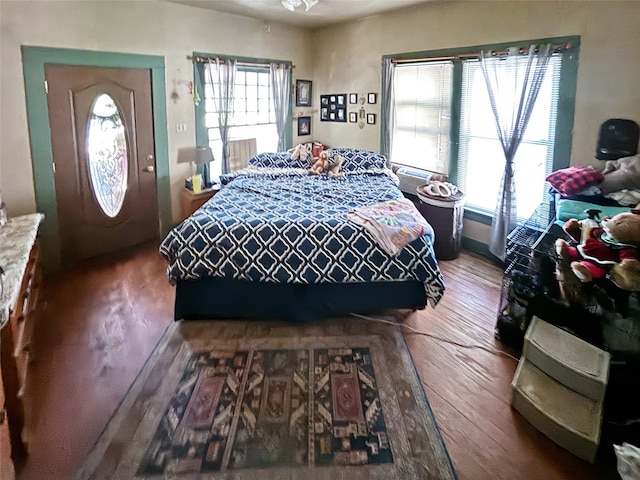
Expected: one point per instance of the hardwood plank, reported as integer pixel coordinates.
(100, 320)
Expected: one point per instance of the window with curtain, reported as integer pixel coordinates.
(480, 155)
(444, 123)
(253, 115)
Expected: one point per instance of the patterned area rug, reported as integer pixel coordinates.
(249, 400)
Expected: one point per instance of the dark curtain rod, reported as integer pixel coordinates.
(494, 53)
(246, 64)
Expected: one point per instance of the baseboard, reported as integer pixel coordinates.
(480, 248)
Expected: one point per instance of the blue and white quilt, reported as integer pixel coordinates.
(275, 222)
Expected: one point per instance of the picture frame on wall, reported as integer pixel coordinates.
(353, 116)
(372, 98)
(303, 93)
(371, 118)
(333, 107)
(353, 98)
(304, 126)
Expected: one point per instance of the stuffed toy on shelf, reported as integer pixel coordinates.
(606, 250)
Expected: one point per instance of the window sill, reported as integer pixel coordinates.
(477, 216)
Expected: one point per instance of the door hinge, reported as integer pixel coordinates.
(54, 166)
(46, 87)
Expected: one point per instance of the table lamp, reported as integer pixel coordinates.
(201, 156)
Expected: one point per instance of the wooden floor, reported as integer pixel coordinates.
(100, 321)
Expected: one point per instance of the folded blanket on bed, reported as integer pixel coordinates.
(393, 224)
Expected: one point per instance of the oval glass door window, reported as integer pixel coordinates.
(108, 159)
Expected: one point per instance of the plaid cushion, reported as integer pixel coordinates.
(573, 180)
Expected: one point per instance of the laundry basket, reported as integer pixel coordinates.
(445, 216)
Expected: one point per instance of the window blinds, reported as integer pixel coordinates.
(422, 115)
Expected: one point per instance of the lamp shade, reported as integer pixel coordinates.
(203, 155)
(197, 155)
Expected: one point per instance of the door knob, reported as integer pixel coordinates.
(150, 168)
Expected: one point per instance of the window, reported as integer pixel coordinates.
(253, 115)
(480, 155)
(423, 111)
(444, 123)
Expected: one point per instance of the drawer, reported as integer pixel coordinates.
(22, 315)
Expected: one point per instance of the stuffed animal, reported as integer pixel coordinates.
(333, 169)
(299, 151)
(609, 249)
(323, 163)
(320, 163)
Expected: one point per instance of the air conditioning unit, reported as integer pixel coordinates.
(412, 178)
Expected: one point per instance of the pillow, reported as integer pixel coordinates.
(355, 159)
(316, 148)
(277, 160)
(573, 180)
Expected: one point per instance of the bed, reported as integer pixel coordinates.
(276, 242)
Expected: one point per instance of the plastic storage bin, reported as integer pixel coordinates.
(445, 215)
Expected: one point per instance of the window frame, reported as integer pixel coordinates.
(202, 136)
(566, 101)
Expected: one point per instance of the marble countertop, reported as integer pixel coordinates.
(16, 240)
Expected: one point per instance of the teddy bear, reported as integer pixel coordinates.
(333, 169)
(608, 249)
(324, 163)
(319, 164)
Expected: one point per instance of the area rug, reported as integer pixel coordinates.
(251, 400)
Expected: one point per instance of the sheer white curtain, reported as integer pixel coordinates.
(222, 74)
(281, 93)
(388, 105)
(513, 82)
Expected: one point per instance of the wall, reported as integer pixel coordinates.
(348, 56)
(141, 27)
(344, 58)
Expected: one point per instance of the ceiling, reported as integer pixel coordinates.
(326, 12)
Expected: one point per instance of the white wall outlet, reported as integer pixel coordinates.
(181, 127)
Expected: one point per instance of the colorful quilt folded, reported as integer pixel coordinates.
(393, 224)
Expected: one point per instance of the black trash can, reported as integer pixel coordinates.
(445, 215)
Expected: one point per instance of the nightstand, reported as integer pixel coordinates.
(192, 201)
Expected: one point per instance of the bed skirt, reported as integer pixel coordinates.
(213, 297)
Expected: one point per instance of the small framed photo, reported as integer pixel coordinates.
(342, 115)
(324, 100)
(332, 116)
(371, 118)
(353, 117)
(353, 98)
(332, 99)
(324, 113)
(303, 93)
(304, 126)
(372, 98)
(341, 100)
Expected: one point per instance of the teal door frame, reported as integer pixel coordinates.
(34, 60)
